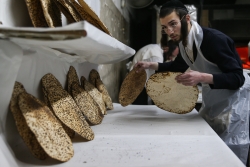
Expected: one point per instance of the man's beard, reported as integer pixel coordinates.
(176, 42)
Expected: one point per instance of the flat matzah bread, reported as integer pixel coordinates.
(72, 77)
(69, 131)
(169, 95)
(65, 11)
(27, 135)
(68, 112)
(93, 74)
(46, 128)
(94, 93)
(86, 104)
(71, 10)
(89, 15)
(132, 86)
(95, 79)
(49, 80)
(93, 15)
(36, 13)
(51, 13)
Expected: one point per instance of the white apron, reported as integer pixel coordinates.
(226, 111)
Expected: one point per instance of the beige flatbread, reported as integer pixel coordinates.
(93, 74)
(72, 77)
(169, 95)
(49, 80)
(86, 104)
(94, 93)
(89, 15)
(66, 13)
(105, 95)
(132, 86)
(93, 15)
(95, 79)
(51, 13)
(70, 9)
(36, 13)
(69, 131)
(68, 112)
(27, 135)
(46, 128)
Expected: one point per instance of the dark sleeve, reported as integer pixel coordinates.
(221, 51)
(178, 65)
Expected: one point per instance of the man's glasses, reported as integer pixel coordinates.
(171, 26)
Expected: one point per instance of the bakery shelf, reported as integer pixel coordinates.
(81, 41)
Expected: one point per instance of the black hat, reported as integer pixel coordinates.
(174, 4)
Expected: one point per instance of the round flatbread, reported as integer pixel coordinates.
(47, 129)
(71, 78)
(36, 13)
(27, 135)
(95, 79)
(132, 86)
(94, 93)
(169, 95)
(86, 104)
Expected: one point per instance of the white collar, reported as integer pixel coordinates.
(190, 38)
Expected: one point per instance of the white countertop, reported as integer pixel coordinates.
(138, 135)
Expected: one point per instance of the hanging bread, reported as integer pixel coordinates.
(132, 86)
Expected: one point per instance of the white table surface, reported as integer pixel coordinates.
(138, 135)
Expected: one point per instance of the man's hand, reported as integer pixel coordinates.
(192, 78)
(141, 65)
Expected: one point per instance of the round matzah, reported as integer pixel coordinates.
(51, 13)
(89, 15)
(94, 93)
(86, 104)
(95, 79)
(72, 77)
(36, 13)
(169, 95)
(71, 10)
(132, 86)
(27, 135)
(48, 131)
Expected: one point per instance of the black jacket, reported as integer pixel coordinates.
(220, 50)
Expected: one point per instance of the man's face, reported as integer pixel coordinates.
(172, 26)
